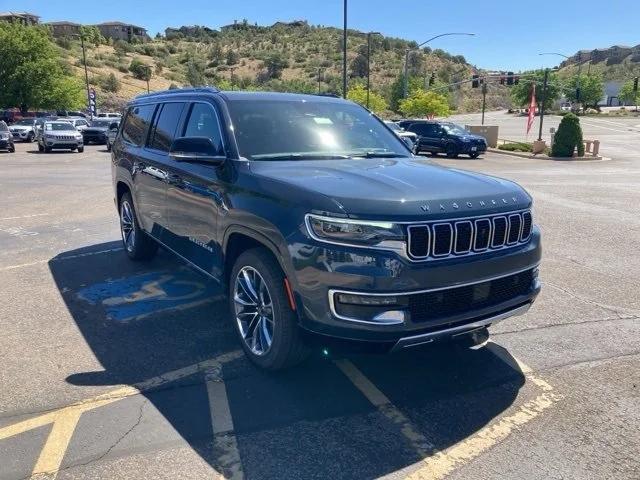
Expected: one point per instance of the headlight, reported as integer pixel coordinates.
(357, 233)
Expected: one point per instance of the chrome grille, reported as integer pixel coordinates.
(441, 239)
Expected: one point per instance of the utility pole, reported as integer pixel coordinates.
(86, 74)
(484, 97)
(344, 52)
(544, 99)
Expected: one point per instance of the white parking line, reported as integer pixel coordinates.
(24, 216)
(58, 259)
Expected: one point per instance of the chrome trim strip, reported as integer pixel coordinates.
(409, 241)
(528, 212)
(506, 231)
(519, 217)
(471, 238)
(475, 239)
(434, 240)
(415, 340)
(335, 291)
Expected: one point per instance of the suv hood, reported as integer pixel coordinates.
(408, 189)
(19, 128)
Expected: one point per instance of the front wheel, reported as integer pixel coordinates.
(40, 148)
(137, 244)
(80, 149)
(12, 148)
(474, 155)
(263, 318)
(30, 137)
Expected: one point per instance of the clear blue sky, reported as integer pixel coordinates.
(508, 35)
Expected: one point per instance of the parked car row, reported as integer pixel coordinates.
(73, 134)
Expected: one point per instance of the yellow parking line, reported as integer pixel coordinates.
(418, 441)
(66, 418)
(225, 445)
(445, 462)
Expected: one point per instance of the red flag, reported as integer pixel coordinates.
(532, 108)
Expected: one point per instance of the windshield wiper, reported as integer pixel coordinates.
(301, 156)
(378, 155)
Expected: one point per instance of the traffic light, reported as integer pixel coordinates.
(432, 79)
(635, 84)
(516, 80)
(475, 82)
(509, 78)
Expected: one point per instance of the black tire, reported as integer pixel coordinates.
(141, 246)
(47, 149)
(12, 148)
(30, 137)
(40, 148)
(287, 347)
(108, 147)
(451, 151)
(474, 155)
(80, 149)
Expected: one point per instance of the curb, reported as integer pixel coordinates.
(544, 157)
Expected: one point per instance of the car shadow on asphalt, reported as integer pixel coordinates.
(142, 320)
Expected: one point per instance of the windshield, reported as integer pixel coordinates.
(101, 123)
(303, 130)
(394, 126)
(58, 126)
(24, 122)
(455, 129)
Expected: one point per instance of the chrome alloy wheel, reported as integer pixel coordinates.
(127, 226)
(254, 310)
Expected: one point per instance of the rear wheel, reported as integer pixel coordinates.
(265, 323)
(452, 151)
(474, 155)
(137, 244)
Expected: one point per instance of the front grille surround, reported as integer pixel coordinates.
(488, 233)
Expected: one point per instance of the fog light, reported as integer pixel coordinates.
(369, 300)
(391, 317)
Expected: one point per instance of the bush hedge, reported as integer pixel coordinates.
(568, 138)
(516, 147)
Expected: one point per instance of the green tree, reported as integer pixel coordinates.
(139, 69)
(92, 35)
(358, 93)
(31, 71)
(358, 66)
(627, 95)
(568, 138)
(111, 83)
(421, 103)
(232, 57)
(275, 64)
(195, 74)
(397, 90)
(521, 93)
(591, 89)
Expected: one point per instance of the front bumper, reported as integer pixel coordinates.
(320, 271)
(5, 143)
(22, 135)
(472, 147)
(63, 144)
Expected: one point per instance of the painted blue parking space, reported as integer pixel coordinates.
(139, 296)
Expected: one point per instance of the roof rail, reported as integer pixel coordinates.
(175, 91)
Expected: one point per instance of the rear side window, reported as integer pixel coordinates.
(203, 122)
(166, 125)
(137, 123)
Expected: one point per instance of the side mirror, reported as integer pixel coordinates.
(196, 149)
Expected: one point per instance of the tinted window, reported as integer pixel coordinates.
(166, 125)
(313, 129)
(137, 123)
(203, 122)
(423, 128)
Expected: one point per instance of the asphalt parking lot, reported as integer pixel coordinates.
(110, 369)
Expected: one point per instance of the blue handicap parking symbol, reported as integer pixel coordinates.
(139, 296)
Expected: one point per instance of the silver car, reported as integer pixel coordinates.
(60, 134)
(24, 130)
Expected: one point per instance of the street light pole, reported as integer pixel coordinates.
(405, 91)
(369, 63)
(344, 52)
(86, 74)
(484, 98)
(544, 99)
